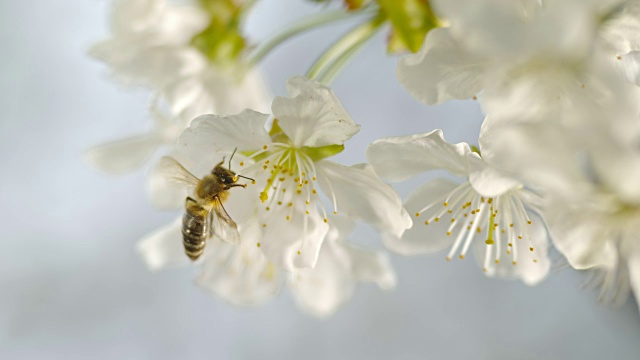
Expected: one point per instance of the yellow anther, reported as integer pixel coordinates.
(241, 163)
(258, 244)
(484, 269)
(461, 257)
(446, 203)
(282, 179)
(510, 225)
(448, 233)
(267, 162)
(335, 213)
(481, 199)
(313, 178)
(514, 263)
(468, 227)
(298, 252)
(497, 261)
(268, 208)
(307, 212)
(253, 182)
(265, 147)
(449, 211)
(479, 230)
(530, 249)
(279, 202)
(509, 244)
(520, 237)
(314, 191)
(303, 174)
(307, 202)
(264, 225)
(326, 220)
(417, 214)
(288, 217)
(284, 190)
(535, 260)
(299, 191)
(453, 220)
(447, 258)
(290, 204)
(306, 182)
(529, 222)
(426, 222)
(437, 219)
(489, 242)
(490, 201)
(264, 196)
(502, 231)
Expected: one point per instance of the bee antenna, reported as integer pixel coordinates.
(233, 153)
(245, 177)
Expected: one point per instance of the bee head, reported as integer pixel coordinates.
(225, 175)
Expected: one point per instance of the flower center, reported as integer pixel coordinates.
(498, 220)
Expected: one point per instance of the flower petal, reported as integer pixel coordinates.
(421, 238)
(371, 266)
(213, 91)
(529, 272)
(293, 244)
(578, 233)
(359, 192)
(312, 115)
(399, 158)
(322, 290)
(123, 156)
(240, 274)
(209, 134)
(163, 248)
(488, 180)
(442, 70)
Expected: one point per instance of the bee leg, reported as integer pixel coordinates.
(227, 187)
(189, 199)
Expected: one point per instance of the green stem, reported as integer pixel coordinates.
(298, 28)
(333, 69)
(345, 46)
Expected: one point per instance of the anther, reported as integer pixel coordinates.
(447, 258)
(448, 233)
(288, 217)
(268, 208)
(265, 147)
(461, 257)
(514, 263)
(417, 214)
(530, 249)
(258, 244)
(437, 219)
(326, 220)
(279, 202)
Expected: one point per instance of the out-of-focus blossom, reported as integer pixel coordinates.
(522, 57)
(290, 168)
(242, 275)
(489, 211)
(188, 53)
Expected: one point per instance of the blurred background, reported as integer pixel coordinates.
(72, 286)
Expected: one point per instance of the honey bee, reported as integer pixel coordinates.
(205, 216)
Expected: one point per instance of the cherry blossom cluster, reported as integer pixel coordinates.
(557, 161)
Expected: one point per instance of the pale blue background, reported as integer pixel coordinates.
(72, 287)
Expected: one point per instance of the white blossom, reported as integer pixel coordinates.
(489, 211)
(291, 172)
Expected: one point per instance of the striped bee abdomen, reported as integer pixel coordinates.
(194, 230)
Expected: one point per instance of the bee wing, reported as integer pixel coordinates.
(171, 169)
(222, 225)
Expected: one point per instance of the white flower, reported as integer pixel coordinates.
(322, 290)
(152, 46)
(489, 211)
(128, 154)
(242, 275)
(520, 56)
(290, 168)
(589, 175)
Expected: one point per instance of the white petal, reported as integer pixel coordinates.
(214, 91)
(312, 115)
(163, 247)
(290, 244)
(322, 290)
(240, 274)
(488, 180)
(361, 194)
(630, 66)
(123, 156)
(442, 70)
(371, 266)
(209, 134)
(632, 256)
(578, 233)
(399, 158)
(421, 238)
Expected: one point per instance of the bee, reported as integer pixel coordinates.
(205, 216)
